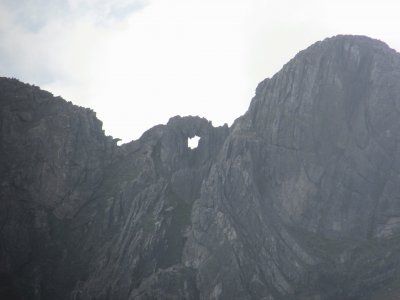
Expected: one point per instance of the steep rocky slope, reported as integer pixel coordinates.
(299, 199)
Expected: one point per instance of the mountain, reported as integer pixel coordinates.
(298, 199)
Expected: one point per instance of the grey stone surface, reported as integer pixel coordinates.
(298, 199)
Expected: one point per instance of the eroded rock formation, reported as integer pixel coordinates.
(298, 199)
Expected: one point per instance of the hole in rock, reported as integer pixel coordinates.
(193, 142)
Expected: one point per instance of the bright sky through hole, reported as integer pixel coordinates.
(193, 142)
(139, 62)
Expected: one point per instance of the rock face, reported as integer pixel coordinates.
(298, 199)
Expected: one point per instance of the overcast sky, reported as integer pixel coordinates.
(139, 62)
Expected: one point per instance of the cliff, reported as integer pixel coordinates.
(298, 199)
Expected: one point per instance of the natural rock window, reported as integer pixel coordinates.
(193, 142)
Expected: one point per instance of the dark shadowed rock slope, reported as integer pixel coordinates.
(299, 199)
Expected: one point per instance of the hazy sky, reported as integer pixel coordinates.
(139, 62)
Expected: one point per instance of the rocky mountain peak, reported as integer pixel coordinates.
(297, 200)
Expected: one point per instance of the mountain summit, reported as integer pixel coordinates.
(298, 199)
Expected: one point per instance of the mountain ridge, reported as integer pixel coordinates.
(296, 200)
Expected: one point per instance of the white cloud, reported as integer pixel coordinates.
(137, 63)
(173, 58)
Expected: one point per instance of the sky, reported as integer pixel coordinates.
(139, 62)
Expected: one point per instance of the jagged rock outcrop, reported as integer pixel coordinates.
(298, 199)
